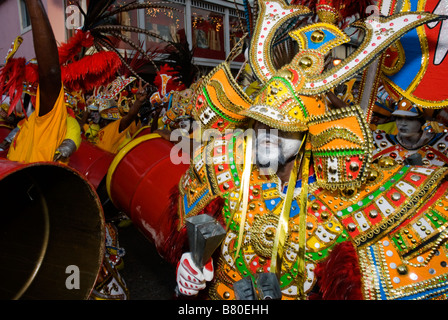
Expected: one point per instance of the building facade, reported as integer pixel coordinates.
(212, 28)
(15, 22)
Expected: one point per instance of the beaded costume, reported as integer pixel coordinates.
(355, 228)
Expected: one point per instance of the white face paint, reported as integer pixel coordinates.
(275, 148)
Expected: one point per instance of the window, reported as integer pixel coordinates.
(236, 33)
(208, 34)
(168, 24)
(127, 18)
(25, 23)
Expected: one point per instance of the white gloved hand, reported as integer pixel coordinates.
(188, 276)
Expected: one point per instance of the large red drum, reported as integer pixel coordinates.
(141, 180)
(52, 232)
(92, 162)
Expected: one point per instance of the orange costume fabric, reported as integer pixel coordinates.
(109, 139)
(40, 136)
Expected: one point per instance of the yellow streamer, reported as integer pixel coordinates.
(302, 224)
(282, 227)
(244, 190)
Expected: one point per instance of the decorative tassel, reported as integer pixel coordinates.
(283, 221)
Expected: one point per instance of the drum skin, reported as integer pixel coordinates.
(141, 180)
(52, 225)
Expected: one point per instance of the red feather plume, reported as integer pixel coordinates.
(339, 276)
(91, 71)
(69, 50)
(173, 83)
(13, 76)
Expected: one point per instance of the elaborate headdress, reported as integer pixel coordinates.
(340, 140)
(290, 99)
(167, 81)
(405, 108)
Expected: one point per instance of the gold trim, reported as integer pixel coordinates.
(390, 71)
(262, 22)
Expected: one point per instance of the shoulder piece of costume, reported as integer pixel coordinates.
(392, 194)
(432, 153)
(219, 100)
(397, 224)
(397, 221)
(215, 171)
(341, 144)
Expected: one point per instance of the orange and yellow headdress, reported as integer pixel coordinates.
(291, 99)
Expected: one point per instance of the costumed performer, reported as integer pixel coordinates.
(44, 130)
(362, 230)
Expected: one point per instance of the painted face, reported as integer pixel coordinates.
(274, 148)
(95, 116)
(408, 126)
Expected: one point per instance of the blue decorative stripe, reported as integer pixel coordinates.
(187, 208)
